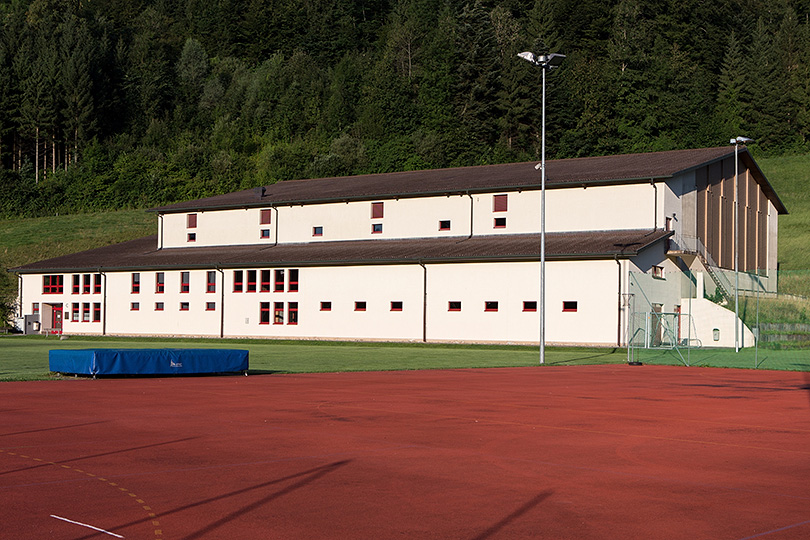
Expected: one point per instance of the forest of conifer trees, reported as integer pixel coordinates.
(130, 103)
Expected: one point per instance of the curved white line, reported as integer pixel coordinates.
(86, 525)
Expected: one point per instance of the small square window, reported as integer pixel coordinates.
(657, 272)
(183, 306)
(444, 225)
(134, 306)
(396, 306)
(264, 234)
(500, 222)
(529, 305)
(359, 306)
(317, 231)
(569, 305)
(210, 306)
(453, 306)
(158, 306)
(326, 306)
(490, 306)
(376, 228)
(191, 237)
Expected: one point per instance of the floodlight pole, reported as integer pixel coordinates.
(546, 62)
(736, 142)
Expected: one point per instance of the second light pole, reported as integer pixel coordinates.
(546, 62)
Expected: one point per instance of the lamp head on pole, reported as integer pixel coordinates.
(545, 61)
(741, 140)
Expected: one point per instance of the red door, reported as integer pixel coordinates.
(56, 327)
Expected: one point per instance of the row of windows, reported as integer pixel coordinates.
(83, 310)
(265, 284)
(499, 204)
(161, 306)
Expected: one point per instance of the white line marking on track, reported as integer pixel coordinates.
(86, 525)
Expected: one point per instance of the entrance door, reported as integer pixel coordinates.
(56, 325)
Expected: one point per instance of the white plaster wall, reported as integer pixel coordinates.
(628, 206)
(217, 228)
(708, 316)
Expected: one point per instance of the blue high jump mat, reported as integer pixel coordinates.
(147, 361)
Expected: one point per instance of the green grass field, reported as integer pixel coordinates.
(26, 357)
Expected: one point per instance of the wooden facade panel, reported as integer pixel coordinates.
(726, 259)
(713, 201)
(762, 234)
(701, 176)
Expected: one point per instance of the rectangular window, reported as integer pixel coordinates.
(264, 217)
(35, 308)
(76, 285)
(160, 282)
(396, 306)
(96, 283)
(264, 234)
(210, 306)
(183, 306)
(74, 312)
(490, 306)
(158, 306)
(251, 281)
(191, 221)
(86, 312)
(569, 305)
(326, 306)
(278, 283)
(185, 285)
(264, 313)
(658, 272)
(499, 203)
(292, 313)
(96, 312)
(444, 225)
(136, 282)
(500, 222)
(292, 286)
(191, 237)
(86, 284)
(376, 228)
(237, 280)
(359, 306)
(376, 210)
(211, 281)
(134, 306)
(265, 283)
(453, 306)
(317, 231)
(529, 305)
(53, 284)
(278, 313)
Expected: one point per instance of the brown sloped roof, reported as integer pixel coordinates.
(142, 253)
(510, 176)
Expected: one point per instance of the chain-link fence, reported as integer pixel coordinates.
(720, 318)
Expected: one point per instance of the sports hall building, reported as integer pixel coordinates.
(449, 255)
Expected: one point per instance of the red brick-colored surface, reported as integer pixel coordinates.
(553, 452)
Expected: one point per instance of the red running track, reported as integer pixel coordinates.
(554, 452)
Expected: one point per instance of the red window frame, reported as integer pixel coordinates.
(326, 306)
(35, 308)
(76, 285)
(85, 311)
(264, 234)
(96, 311)
(159, 306)
(499, 223)
(278, 281)
(529, 305)
(160, 282)
(238, 283)
(210, 306)
(292, 285)
(96, 283)
(264, 312)
(53, 284)
(191, 221)
(317, 231)
(377, 210)
(134, 306)
(278, 312)
(570, 306)
(136, 282)
(376, 228)
(184, 306)
(86, 284)
(396, 305)
(454, 305)
(191, 237)
(265, 283)
(74, 312)
(251, 281)
(359, 306)
(211, 281)
(491, 306)
(265, 216)
(499, 203)
(292, 313)
(185, 282)
(444, 225)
